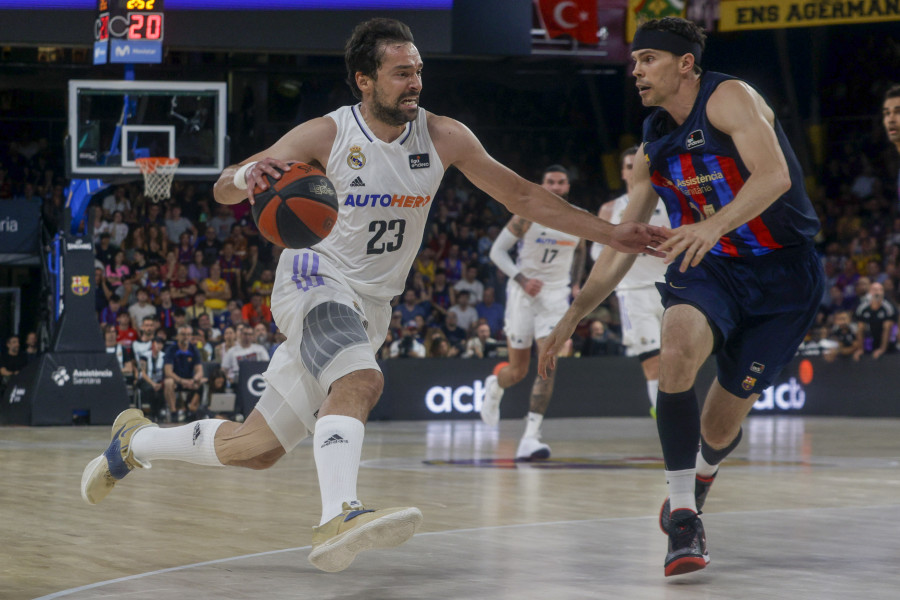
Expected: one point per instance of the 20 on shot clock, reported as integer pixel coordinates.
(135, 29)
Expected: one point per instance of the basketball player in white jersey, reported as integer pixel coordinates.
(386, 157)
(640, 307)
(537, 296)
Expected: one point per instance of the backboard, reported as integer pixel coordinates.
(113, 122)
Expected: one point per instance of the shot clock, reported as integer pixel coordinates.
(129, 31)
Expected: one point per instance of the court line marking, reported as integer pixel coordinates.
(92, 586)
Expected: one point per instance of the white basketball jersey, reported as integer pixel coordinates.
(546, 254)
(385, 191)
(646, 270)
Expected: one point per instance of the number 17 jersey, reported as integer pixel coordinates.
(384, 191)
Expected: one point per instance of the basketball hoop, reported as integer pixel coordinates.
(158, 173)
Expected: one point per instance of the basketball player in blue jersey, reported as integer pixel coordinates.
(890, 113)
(743, 281)
(386, 157)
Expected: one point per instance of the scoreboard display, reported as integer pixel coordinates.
(134, 31)
(129, 31)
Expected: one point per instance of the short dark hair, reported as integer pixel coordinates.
(892, 92)
(555, 169)
(365, 48)
(686, 29)
(629, 151)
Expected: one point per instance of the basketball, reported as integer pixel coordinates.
(298, 210)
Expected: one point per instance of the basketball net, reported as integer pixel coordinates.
(158, 173)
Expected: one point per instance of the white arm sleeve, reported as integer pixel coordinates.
(500, 252)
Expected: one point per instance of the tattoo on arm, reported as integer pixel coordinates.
(519, 225)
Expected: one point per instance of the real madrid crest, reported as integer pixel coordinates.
(356, 159)
(81, 285)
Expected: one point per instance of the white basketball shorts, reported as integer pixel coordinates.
(311, 299)
(530, 318)
(641, 312)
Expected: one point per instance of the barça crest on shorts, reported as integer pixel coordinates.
(748, 383)
(356, 159)
(81, 284)
(695, 139)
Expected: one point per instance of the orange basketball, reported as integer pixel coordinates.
(298, 210)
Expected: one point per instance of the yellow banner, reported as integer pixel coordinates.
(736, 15)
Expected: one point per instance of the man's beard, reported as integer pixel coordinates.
(390, 115)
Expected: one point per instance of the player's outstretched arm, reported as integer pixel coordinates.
(458, 146)
(309, 142)
(740, 112)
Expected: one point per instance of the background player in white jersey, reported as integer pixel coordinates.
(386, 157)
(537, 296)
(640, 307)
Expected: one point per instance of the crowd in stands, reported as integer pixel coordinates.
(190, 273)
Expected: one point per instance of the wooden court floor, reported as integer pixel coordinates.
(806, 508)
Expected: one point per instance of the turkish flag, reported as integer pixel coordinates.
(576, 18)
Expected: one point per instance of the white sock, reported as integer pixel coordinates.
(193, 443)
(337, 446)
(652, 390)
(681, 489)
(533, 425)
(704, 469)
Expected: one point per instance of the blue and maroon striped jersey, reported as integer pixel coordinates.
(697, 170)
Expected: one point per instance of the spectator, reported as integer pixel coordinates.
(165, 312)
(466, 314)
(817, 343)
(262, 336)
(184, 251)
(197, 270)
(141, 347)
(142, 308)
(154, 283)
(875, 320)
(118, 275)
(182, 288)
(201, 342)
(442, 296)
(407, 346)
(183, 369)
(456, 335)
(600, 341)
(221, 222)
(453, 265)
(151, 374)
(245, 349)
(470, 283)
(198, 307)
(125, 332)
(169, 270)
(492, 312)
(105, 252)
(217, 289)
(264, 285)
(210, 246)
(13, 360)
(32, 349)
(115, 202)
(439, 346)
(844, 334)
(252, 268)
(231, 268)
(240, 242)
(204, 323)
(110, 314)
(481, 345)
(229, 339)
(117, 229)
(411, 306)
(177, 224)
(123, 355)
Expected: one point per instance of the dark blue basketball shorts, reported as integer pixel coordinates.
(762, 308)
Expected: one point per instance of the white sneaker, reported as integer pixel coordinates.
(532, 449)
(490, 406)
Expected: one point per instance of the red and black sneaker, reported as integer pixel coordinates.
(701, 491)
(687, 544)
